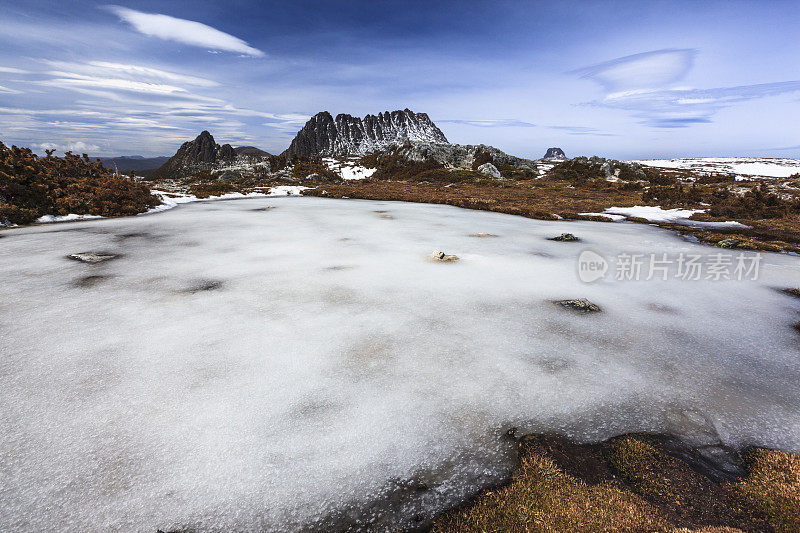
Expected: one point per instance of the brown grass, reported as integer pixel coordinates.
(550, 198)
(630, 484)
(530, 198)
(773, 488)
(542, 497)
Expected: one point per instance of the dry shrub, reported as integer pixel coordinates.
(442, 175)
(304, 166)
(32, 186)
(676, 195)
(392, 166)
(716, 178)
(757, 203)
(482, 158)
(214, 188)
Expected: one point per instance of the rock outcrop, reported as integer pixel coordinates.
(346, 135)
(457, 155)
(555, 154)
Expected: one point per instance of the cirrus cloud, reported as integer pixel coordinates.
(643, 85)
(183, 31)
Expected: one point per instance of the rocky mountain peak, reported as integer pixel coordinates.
(201, 153)
(346, 135)
(555, 154)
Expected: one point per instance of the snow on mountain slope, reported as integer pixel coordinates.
(349, 169)
(744, 167)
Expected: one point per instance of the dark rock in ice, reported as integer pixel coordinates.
(580, 305)
(565, 237)
(93, 257)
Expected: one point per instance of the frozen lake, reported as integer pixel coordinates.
(281, 363)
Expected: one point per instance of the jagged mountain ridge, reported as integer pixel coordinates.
(203, 153)
(345, 135)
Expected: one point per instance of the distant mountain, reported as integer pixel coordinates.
(250, 151)
(346, 135)
(555, 154)
(125, 164)
(204, 153)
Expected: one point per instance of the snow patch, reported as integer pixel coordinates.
(170, 200)
(664, 216)
(46, 219)
(742, 167)
(349, 169)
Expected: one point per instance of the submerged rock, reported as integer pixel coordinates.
(92, 257)
(443, 257)
(565, 237)
(490, 170)
(580, 305)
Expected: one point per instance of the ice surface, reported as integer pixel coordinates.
(244, 368)
(744, 167)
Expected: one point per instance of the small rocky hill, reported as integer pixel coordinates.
(555, 154)
(203, 153)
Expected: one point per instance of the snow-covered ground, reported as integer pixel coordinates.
(46, 219)
(170, 200)
(666, 216)
(348, 169)
(742, 167)
(245, 368)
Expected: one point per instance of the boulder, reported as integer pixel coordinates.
(490, 170)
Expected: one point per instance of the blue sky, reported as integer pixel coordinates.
(619, 79)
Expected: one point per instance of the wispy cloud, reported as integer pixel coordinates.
(12, 70)
(69, 146)
(6, 90)
(130, 71)
(581, 130)
(642, 84)
(183, 31)
(73, 81)
(496, 123)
